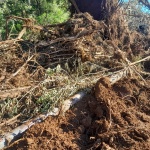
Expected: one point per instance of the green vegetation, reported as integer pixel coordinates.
(44, 11)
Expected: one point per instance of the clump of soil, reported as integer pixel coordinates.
(112, 117)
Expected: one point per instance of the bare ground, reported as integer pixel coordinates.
(112, 117)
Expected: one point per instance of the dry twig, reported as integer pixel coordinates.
(14, 74)
(10, 121)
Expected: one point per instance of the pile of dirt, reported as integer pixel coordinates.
(111, 117)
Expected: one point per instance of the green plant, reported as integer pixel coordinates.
(44, 11)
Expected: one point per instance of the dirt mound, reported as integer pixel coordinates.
(113, 117)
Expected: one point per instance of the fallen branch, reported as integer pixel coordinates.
(75, 5)
(28, 23)
(12, 93)
(11, 136)
(10, 121)
(139, 61)
(23, 31)
(66, 39)
(7, 138)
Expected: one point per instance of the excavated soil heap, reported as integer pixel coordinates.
(112, 117)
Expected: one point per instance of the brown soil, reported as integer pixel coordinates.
(112, 117)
